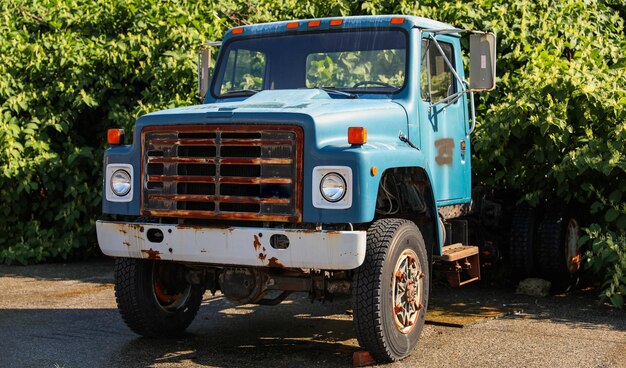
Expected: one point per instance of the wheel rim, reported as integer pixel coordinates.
(168, 290)
(572, 254)
(407, 291)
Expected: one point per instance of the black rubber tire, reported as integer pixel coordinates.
(136, 301)
(551, 253)
(372, 290)
(521, 242)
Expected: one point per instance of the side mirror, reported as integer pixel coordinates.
(204, 57)
(482, 62)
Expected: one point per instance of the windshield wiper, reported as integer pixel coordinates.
(244, 91)
(338, 92)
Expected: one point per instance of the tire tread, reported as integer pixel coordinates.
(130, 276)
(521, 243)
(367, 298)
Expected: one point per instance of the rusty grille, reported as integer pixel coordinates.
(222, 172)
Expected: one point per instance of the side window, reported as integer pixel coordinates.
(436, 78)
(245, 69)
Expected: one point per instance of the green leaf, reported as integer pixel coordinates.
(611, 215)
(617, 300)
(615, 196)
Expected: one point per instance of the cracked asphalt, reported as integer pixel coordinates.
(60, 315)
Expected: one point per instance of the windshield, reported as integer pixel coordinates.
(371, 61)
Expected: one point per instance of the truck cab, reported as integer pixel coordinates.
(325, 158)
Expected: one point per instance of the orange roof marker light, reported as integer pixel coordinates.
(237, 30)
(397, 20)
(336, 22)
(357, 135)
(293, 25)
(314, 23)
(115, 136)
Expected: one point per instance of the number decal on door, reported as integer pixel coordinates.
(445, 147)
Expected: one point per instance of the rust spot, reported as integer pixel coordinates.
(203, 250)
(220, 216)
(123, 231)
(264, 250)
(262, 256)
(212, 179)
(152, 254)
(296, 216)
(274, 262)
(73, 292)
(256, 243)
(126, 243)
(187, 226)
(216, 198)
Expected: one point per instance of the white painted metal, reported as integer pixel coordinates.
(112, 197)
(328, 250)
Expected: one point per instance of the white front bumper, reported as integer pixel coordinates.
(242, 246)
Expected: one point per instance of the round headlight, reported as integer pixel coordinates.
(120, 182)
(333, 187)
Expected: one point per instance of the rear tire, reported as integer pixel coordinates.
(154, 298)
(558, 256)
(390, 290)
(521, 242)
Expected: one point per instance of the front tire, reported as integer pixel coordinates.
(154, 298)
(391, 290)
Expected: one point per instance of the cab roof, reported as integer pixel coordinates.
(402, 21)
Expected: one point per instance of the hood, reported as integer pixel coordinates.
(329, 117)
(314, 102)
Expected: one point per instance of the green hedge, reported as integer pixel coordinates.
(555, 127)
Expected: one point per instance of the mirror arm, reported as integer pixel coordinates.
(473, 111)
(466, 88)
(445, 58)
(448, 100)
(452, 98)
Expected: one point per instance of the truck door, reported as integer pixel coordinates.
(444, 126)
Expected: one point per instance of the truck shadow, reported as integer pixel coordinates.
(291, 334)
(68, 326)
(284, 335)
(579, 308)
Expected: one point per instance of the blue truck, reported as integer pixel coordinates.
(329, 156)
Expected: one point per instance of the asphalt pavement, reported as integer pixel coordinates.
(64, 315)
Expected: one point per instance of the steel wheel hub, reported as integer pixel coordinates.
(572, 254)
(169, 292)
(407, 291)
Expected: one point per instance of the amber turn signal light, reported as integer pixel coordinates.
(357, 135)
(397, 20)
(115, 136)
(336, 22)
(237, 30)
